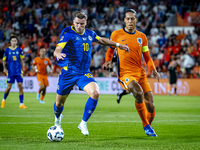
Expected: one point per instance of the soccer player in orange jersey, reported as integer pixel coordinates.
(131, 75)
(40, 65)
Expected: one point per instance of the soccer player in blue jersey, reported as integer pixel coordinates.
(13, 64)
(73, 53)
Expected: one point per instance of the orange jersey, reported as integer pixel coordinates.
(42, 64)
(130, 62)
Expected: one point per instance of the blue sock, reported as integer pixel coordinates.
(89, 108)
(57, 110)
(5, 96)
(21, 98)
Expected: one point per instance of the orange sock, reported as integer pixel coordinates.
(42, 97)
(141, 109)
(150, 116)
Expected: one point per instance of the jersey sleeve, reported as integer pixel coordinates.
(95, 37)
(145, 44)
(5, 55)
(21, 53)
(63, 40)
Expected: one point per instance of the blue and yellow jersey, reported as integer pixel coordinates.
(77, 48)
(12, 57)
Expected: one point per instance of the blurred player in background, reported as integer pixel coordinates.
(41, 66)
(13, 64)
(131, 75)
(172, 72)
(73, 53)
(114, 60)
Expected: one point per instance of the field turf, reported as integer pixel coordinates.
(112, 126)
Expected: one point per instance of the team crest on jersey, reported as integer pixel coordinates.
(45, 62)
(84, 38)
(62, 37)
(139, 40)
(90, 38)
(9, 53)
(127, 79)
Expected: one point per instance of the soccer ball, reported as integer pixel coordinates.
(55, 134)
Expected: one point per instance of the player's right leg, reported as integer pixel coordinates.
(65, 85)
(58, 108)
(9, 85)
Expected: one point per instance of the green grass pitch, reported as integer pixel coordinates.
(112, 126)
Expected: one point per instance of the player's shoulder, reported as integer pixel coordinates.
(117, 33)
(46, 58)
(139, 33)
(88, 31)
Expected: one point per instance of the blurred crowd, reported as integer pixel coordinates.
(38, 24)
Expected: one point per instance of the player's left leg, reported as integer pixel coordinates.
(150, 106)
(43, 87)
(92, 90)
(58, 108)
(43, 94)
(21, 96)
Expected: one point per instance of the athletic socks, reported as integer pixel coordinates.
(21, 98)
(42, 97)
(89, 108)
(57, 110)
(141, 109)
(5, 96)
(150, 116)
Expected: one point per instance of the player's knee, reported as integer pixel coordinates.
(94, 94)
(151, 107)
(139, 96)
(59, 104)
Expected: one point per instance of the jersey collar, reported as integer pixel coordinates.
(11, 48)
(72, 27)
(129, 32)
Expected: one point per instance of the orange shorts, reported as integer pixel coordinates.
(142, 80)
(42, 79)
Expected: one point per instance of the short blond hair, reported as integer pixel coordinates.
(80, 15)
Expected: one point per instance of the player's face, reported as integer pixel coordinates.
(13, 42)
(42, 52)
(79, 25)
(130, 21)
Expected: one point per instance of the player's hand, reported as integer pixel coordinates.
(5, 70)
(124, 47)
(37, 71)
(156, 75)
(60, 56)
(105, 65)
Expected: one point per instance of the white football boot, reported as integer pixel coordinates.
(83, 127)
(58, 120)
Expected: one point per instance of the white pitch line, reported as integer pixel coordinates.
(96, 122)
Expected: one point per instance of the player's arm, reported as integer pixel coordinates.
(107, 42)
(151, 65)
(4, 66)
(108, 58)
(5, 62)
(58, 53)
(22, 63)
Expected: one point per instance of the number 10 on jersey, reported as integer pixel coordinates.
(86, 46)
